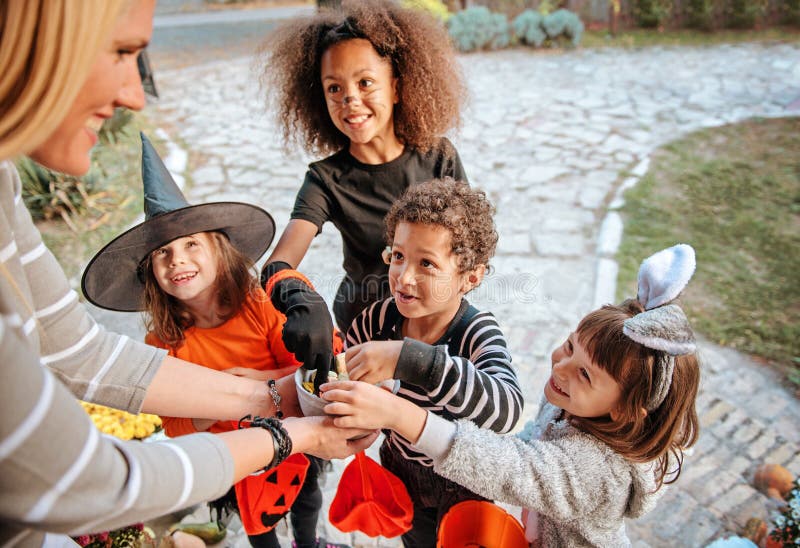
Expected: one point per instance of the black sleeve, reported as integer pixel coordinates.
(452, 162)
(313, 201)
(480, 385)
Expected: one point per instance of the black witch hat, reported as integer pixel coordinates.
(112, 279)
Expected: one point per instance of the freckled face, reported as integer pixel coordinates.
(186, 268)
(112, 82)
(360, 92)
(579, 386)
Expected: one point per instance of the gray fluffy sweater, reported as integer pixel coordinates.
(576, 488)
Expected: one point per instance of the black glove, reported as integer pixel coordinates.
(308, 331)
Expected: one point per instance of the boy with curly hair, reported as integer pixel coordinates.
(444, 355)
(374, 85)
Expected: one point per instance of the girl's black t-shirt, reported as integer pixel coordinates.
(355, 197)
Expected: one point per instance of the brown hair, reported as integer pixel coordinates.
(454, 205)
(666, 430)
(167, 317)
(431, 90)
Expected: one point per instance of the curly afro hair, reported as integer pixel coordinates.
(454, 205)
(430, 85)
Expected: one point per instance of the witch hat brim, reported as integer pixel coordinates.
(111, 280)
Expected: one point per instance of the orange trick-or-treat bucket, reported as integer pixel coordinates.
(479, 524)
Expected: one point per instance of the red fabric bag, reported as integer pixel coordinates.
(371, 499)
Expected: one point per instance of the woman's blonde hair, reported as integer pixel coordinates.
(47, 48)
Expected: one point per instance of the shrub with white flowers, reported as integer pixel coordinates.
(787, 524)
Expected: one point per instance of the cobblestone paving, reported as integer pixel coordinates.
(553, 139)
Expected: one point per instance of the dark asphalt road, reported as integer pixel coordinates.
(181, 40)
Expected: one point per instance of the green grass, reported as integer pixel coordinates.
(638, 38)
(116, 201)
(734, 194)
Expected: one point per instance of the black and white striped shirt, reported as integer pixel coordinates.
(466, 375)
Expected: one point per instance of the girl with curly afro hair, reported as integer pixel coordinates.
(374, 86)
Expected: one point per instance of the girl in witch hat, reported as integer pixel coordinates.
(190, 268)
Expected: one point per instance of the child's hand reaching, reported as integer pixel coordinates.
(373, 361)
(362, 405)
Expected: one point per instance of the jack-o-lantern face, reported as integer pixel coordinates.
(265, 498)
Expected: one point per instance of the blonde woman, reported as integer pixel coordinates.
(64, 66)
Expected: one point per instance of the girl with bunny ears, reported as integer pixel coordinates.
(619, 411)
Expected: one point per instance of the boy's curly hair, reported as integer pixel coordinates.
(431, 89)
(454, 205)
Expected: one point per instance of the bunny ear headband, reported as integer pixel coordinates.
(663, 326)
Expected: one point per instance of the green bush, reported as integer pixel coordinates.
(528, 28)
(700, 14)
(477, 28)
(652, 13)
(118, 127)
(790, 12)
(563, 23)
(436, 8)
(743, 14)
(48, 194)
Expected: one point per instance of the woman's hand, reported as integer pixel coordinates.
(319, 437)
(363, 405)
(373, 361)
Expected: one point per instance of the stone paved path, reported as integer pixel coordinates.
(554, 139)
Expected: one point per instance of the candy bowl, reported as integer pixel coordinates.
(310, 404)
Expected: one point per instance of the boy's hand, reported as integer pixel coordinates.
(362, 405)
(359, 404)
(373, 361)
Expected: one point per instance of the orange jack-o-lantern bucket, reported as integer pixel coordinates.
(265, 498)
(479, 524)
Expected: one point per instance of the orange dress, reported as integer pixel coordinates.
(251, 338)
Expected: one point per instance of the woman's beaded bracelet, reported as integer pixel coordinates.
(276, 398)
(281, 442)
